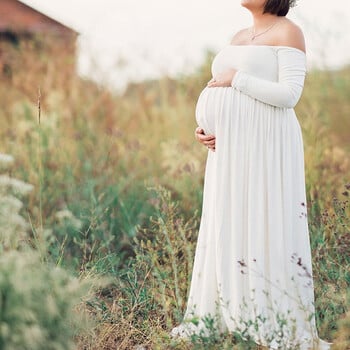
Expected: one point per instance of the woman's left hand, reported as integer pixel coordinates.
(222, 79)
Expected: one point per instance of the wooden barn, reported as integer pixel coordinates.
(21, 24)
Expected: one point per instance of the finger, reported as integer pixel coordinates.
(201, 137)
(210, 143)
(199, 130)
(218, 84)
(198, 134)
(205, 142)
(212, 83)
(211, 146)
(206, 137)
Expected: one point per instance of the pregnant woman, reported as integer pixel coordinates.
(252, 270)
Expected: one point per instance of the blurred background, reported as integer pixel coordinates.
(156, 37)
(101, 177)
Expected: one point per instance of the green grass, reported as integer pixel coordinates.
(118, 192)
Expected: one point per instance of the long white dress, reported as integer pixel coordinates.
(253, 256)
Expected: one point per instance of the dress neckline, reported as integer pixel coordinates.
(269, 46)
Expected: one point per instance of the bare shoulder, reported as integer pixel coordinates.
(239, 36)
(290, 34)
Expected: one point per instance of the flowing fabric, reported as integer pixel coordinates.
(252, 269)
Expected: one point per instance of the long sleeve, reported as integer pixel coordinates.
(286, 92)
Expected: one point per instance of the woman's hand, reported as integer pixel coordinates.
(222, 79)
(206, 140)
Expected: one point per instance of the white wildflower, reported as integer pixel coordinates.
(21, 187)
(66, 214)
(13, 226)
(17, 186)
(11, 202)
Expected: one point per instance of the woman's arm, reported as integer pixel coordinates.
(287, 90)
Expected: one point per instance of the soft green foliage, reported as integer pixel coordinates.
(148, 296)
(38, 301)
(37, 304)
(91, 157)
(13, 226)
(167, 249)
(331, 261)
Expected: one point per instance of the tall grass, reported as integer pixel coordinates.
(38, 302)
(121, 189)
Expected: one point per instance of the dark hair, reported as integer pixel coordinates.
(278, 7)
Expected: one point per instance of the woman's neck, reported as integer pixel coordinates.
(262, 20)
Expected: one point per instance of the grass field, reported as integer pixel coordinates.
(100, 207)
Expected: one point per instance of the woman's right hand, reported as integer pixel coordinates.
(206, 140)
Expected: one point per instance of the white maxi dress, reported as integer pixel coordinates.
(253, 256)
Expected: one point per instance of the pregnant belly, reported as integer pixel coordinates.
(209, 107)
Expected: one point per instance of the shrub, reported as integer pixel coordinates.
(37, 303)
(12, 224)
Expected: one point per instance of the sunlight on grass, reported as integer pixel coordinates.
(114, 190)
